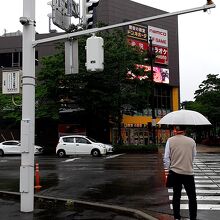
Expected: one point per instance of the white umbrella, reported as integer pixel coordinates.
(184, 117)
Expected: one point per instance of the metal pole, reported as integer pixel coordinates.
(28, 109)
(152, 92)
(83, 10)
(94, 30)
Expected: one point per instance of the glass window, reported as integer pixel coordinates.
(68, 140)
(6, 60)
(82, 140)
(15, 59)
(11, 143)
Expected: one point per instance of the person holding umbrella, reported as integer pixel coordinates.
(180, 152)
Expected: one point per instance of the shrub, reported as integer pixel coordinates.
(151, 148)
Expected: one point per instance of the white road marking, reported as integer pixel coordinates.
(70, 160)
(203, 171)
(200, 206)
(207, 177)
(202, 198)
(207, 185)
(207, 181)
(113, 156)
(211, 191)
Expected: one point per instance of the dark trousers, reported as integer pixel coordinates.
(188, 182)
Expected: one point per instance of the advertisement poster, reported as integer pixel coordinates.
(161, 75)
(161, 55)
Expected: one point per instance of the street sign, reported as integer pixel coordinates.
(60, 15)
(11, 82)
(71, 57)
(72, 8)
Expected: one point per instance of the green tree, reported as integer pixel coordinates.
(8, 109)
(207, 97)
(101, 95)
(207, 100)
(49, 82)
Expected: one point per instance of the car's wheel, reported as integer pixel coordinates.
(1, 153)
(95, 153)
(61, 153)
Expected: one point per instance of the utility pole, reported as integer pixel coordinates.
(28, 108)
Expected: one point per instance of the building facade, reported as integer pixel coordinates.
(136, 128)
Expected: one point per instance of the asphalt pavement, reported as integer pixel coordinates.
(59, 208)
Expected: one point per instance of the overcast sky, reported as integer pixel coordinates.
(199, 32)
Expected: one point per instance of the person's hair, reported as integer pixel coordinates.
(180, 127)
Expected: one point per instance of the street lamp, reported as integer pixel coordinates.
(151, 55)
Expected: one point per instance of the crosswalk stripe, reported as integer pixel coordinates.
(207, 185)
(207, 177)
(207, 174)
(200, 206)
(200, 198)
(210, 191)
(199, 172)
(206, 181)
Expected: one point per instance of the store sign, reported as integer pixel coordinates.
(137, 32)
(161, 55)
(141, 44)
(159, 36)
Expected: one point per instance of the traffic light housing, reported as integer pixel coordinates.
(88, 13)
(94, 54)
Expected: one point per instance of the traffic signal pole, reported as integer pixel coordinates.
(28, 108)
(28, 90)
(96, 30)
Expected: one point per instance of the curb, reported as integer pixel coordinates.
(83, 204)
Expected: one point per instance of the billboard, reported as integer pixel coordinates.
(160, 44)
(159, 36)
(161, 75)
(161, 54)
(138, 32)
(141, 44)
(137, 36)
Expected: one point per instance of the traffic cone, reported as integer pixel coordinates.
(37, 177)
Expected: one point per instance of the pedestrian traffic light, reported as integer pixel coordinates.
(88, 13)
(94, 54)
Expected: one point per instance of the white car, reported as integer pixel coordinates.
(109, 148)
(79, 144)
(14, 147)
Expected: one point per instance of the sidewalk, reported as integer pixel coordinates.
(58, 208)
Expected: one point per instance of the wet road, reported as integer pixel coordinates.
(129, 180)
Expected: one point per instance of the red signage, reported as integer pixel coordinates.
(141, 44)
(161, 54)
